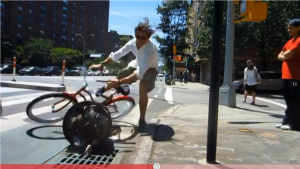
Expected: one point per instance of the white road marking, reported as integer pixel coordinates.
(10, 89)
(169, 95)
(14, 100)
(269, 101)
(155, 96)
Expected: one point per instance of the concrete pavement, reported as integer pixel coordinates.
(33, 85)
(246, 135)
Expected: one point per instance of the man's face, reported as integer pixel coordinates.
(293, 30)
(141, 38)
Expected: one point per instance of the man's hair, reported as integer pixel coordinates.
(144, 26)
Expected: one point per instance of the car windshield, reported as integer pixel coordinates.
(4, 65)
(49, 68)
(74, 68)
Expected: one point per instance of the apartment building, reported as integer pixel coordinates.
(60, 21)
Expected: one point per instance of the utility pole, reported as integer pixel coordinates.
(212, 129)
(84, 45)
(227, 91)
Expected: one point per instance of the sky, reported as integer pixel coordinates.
(124, 15)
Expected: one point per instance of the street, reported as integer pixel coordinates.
(26, 142)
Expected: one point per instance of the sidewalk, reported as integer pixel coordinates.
(246, 135)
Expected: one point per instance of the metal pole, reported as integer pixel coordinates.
(227, 92)
(14, 69)
(214, 83)
(83, 52)
(63, 73)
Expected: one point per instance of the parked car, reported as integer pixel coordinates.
(31, 70)
(52, 70)
(91, 73)
(78, 70)
(8, 68)
(270, 80)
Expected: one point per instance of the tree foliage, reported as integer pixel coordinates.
(174, 22)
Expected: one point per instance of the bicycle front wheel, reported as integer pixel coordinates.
(49, 108)
(120, 107)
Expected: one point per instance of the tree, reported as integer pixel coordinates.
(174, 23)
(71, 56)
(38, 51)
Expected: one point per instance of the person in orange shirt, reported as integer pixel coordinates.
(290, 57)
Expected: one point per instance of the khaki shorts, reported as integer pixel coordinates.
(148, 80)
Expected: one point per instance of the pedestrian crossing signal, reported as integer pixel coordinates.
(252, 11)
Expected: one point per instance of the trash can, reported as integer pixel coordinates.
(168, 79)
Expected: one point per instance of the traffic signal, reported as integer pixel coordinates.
(252, 11)
(177, 58)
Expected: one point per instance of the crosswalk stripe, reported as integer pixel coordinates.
(9, 90)
(14, 100)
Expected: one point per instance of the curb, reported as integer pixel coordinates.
(38, 86)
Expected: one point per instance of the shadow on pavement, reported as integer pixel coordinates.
(260, 105)
(247, 122)
(159, 132)
(122, 126)
(39, 133)
(271, 114)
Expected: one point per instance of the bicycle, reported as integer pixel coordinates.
(66, 100)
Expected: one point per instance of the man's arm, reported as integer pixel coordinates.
(289, 54)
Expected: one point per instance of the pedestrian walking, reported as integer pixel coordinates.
(251, 79)
(290, 57)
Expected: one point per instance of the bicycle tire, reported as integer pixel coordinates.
(46, 97)
(82, 128)
(117, 113)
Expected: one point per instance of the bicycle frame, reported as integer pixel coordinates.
(107, 99)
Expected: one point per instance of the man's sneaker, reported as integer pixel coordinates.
(285, 127)
(142, 125)
(278, 125)
(253, 103)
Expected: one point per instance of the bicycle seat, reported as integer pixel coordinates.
(123, 89)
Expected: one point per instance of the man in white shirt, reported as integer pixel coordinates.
(146, 63)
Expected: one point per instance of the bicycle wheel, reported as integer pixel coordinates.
(49, 108)
(87, 123)
(120, 106)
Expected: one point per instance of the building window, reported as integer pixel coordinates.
(74, 11)
(19, 26)
(63, 44)
(74, 4)
(31, 2)
(42, 32)
(64, 30)
(2, 5)
(20, 8)
(30, 20)
(19, 35)
(64, 23)
(30, 29)
(54, 28)
(55, 5)
(65, 9)
(42, 16)
(65, 2)
(30, 11)
(2, 15)
(42, 24)
(73, 40)
(2, 24)
(73, 19)
(64, 16)
(54, 20)
(54, 35)
(43, 8)
(55, 13)
(20, 18)
(73, 26)
(73, 47)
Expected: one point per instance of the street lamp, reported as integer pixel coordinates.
(84, 44)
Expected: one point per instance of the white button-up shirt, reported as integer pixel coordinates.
(146, 56)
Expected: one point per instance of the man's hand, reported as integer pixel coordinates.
(97, 66)
(113, 83)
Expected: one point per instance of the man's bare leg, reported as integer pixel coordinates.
(143, 101)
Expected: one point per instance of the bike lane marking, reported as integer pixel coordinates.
(169, 95)
(272, 102)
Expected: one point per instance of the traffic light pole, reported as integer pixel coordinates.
(174, 55)
(227, 91)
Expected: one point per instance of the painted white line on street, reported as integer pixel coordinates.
(155, 96)
(11, 89)
(169, 95)
(14, 100)
(269, 101)
(16, 120)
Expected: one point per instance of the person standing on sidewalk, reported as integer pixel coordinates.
(251, 79)
(290, 57)
(144, 67)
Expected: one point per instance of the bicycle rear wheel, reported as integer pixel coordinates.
(49, 108)
(120, 107)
